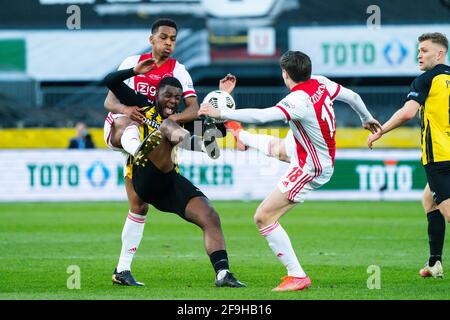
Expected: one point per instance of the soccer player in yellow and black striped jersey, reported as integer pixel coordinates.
(430, 95)
(155, 178)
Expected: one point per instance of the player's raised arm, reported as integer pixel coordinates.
(406, 113)
(357, 104)
(243, 115)
(228, 83)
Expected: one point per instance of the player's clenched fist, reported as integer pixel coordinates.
(207, 109)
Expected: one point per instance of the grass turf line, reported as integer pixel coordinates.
(335, 242)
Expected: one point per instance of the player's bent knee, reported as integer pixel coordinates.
(261, 218)
(428, 205)
(140, 209)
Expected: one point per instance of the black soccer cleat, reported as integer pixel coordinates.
(229, 281)
(209, 140)
(125, 278)
(150, 142)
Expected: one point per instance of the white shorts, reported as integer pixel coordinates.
(107, 137)
(107, 129)
(289, 144)
(298, 183)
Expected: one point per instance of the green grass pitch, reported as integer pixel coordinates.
(336, 242)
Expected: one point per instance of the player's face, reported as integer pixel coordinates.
(163, 41)
(168, 100)
(428, 55)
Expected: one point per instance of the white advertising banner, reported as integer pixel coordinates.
(360, 51)
(66, 175)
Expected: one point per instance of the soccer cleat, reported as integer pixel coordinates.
(210, 145)
(125, 278)
(293, 284)
(150, 142)
(435, 271)
(229, 281)
(235, 127)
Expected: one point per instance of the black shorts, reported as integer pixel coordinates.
(168, 192)
(438, 176)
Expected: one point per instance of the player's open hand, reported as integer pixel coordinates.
(228, 83)
(373, 137)
(134, 113)
(372, 125)
(144, 66)
(207, 109)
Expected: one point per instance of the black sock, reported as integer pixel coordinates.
(436, 235)
(219, 260)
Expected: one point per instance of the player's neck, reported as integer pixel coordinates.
(159, 60)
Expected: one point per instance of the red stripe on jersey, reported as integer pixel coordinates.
(311, 87)
(311, 148)
(286, 114)
(301, 153)
(337, 92)
(324, 128)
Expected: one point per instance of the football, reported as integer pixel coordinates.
(220, 99)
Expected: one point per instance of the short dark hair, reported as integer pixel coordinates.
(297, 65)
(435, 37)
(164, 22)
(170, 81)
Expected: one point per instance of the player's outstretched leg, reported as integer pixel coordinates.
(201, 213)
(266, 218)
(236, 128)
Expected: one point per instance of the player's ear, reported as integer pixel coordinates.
(151, 39)
(441, 54)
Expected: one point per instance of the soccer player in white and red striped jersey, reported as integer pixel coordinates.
(309, 112)
(282, 148)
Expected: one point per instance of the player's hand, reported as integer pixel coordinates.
(228, 83)
(207, 109)
(144, 66)
(372, 125)
(373, 137)
(134, 113)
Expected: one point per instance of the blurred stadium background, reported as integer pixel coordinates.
(51, 62)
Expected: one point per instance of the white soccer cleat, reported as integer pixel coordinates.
(435, 271)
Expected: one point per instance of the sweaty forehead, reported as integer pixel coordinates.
(167, 30)
(168, 89)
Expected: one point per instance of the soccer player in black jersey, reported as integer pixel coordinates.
(154, 174)
(430, 95)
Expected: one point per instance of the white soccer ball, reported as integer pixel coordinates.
(221, 100)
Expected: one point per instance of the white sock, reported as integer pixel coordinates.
(260, 142)
(281, 246)
(132, 233)
(131, 139)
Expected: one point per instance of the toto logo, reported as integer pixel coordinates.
(98, 174)
(395, 52)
